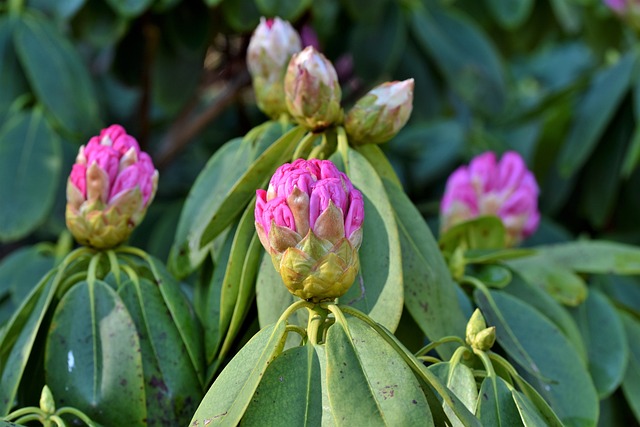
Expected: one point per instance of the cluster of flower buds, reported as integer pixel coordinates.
(310, 221)
(110, 187)
(270, 48)
(628, 10)
(478, 335)
(506, 189)
(312, 92)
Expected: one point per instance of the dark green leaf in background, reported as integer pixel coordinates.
(594, 112)
(129, 8)
(465, 56)
(289, 10)
(631, 382)
(604, 336)
(30, 163)
(12, 80)
(241, 15)
(57, 75)
(510, 13)
(495, 404)
(61, 9)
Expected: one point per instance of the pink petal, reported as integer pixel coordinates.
(483, 171)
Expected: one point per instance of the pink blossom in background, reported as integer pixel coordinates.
(505, 188)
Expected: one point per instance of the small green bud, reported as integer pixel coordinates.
(484, 339)
(47, 404)
(475, 325)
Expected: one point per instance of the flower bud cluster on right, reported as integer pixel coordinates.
(303, 84)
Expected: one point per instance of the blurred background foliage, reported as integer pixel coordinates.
(556, 80)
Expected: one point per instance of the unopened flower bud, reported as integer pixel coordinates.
(47, 404)
(380, 114)
(478, 335)
(312, 91)
(310, 221)
(270, 48)
(506, 189)
(110, 187)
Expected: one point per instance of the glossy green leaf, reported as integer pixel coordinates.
(481, 256)
(510, 13)
(550, 274)
(548, 306)
(461, 382)
(244, 189)
(93, 360)
(632, 156)
(57, 75)
(172, 386)
(30, 166)
(493, 275)
(529, 414)
(285, 9)
(380, 294)
(12, 79)
(495, 406)
(429, 290)
(129, 8)
(567, 13)
(182, 313)
(465, 56)
(594, 113)
(231, 393)
(18, 337)
(214, 184)
(552, 364)
(596, 257)
(623, 290)
(604, 336)
(380, 162)
(16, 281)
(273, 297)
(246, 287)
(290, 391)
(61, 9)
(631, 382)
(366, 373)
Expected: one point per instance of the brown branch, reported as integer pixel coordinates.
(181, 133)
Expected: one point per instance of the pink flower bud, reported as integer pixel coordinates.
(506, 189)
(311, 216)
(380, 114)
(270, 48)
(312, 91)
(109, 189)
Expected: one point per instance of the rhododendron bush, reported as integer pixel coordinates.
(222, 212)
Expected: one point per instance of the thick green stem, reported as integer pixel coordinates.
(343, 147)
(304, 146)
(93, 268)
(315, 326)
(488, 366)
(77, 413)
(24, 411)
(114, 265)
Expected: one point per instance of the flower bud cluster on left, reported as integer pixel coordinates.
(110, 187)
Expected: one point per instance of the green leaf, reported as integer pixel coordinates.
(461, 382)
(483, 232)
(631, 382)
(129, 8)
(529, 414)
(182, 313)
(365, 11)
(632, 155)
(285, 9)
(430, 293)
(241, 15)
(18, 337)
(495, 404)
(273, 297)
(378, 159)
(465, 56)
(215, 183)
(552, 364)
(30, 164)
(61, 9)
(568, 14)
(244, 189)
(57, 75)
(594, 113)
(389, 41)
(380, 294)
(12, 79)
(548, 306)
(365, 372)
(290, 392)
(226, 401)
(596, 257)
(604, 335)
(20, 273)
(510, 13)
(552, 275)
(493, 275)
(93, 360)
